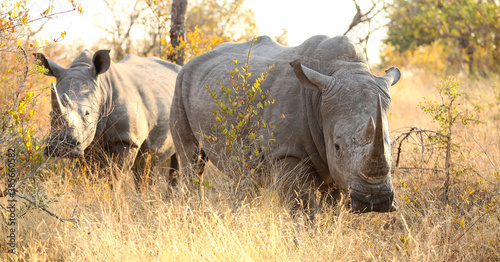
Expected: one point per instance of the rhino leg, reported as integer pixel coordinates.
(123, 155)
(300, 183)
(173, 174)
(191, 168)
(142, 173)
(189, 152)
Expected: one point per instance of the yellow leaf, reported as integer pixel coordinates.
(18, 42)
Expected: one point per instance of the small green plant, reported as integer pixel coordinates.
(21, 142)
(239, 117)
(448, 113)
(240, 128)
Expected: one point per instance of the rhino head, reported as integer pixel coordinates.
(77, 101)
(353, 114)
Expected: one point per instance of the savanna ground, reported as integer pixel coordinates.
(158, 224)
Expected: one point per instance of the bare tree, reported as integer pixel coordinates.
(137, 27)
(178, 31)
(121, 41)
(364, 24)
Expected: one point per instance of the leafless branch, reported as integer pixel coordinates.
(405, 135)
(360, 17)
(72, 220)
(471, 225)
(484, 151)
(48, 16)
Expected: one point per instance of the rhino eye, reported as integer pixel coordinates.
(337, 150)
(87, 113)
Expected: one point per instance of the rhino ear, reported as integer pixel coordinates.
(100, 62)
(311, 79)
(392, 75)
(54, 69)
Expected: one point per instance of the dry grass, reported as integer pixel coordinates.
(158, 225)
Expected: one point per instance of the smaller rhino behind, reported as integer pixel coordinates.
(121, 109)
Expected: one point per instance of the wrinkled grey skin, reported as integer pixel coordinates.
(332, 122)
(122, 108)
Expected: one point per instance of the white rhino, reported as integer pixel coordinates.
(119, 108)
(336, 114)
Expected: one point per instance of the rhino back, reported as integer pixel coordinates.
(142, 91)
(298, 132)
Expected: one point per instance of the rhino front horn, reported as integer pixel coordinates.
(377, 163)
(378, 148)
(56, 101)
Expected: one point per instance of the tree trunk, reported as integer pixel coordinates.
(178, 31)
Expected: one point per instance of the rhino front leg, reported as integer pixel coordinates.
(123, 155)
(300, 183)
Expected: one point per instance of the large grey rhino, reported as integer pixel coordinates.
(335, 114)
(121, 109)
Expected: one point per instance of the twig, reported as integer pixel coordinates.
(21, 181)
(405, 135)
(484, 151)
(421, 168)
(72, 220)
(459, 237)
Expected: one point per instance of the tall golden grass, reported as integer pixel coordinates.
(158, 224)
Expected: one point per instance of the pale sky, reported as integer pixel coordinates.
(302, 19)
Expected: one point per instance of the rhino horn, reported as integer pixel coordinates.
(56, 101)
(377, 164)
(67, 100)
(365, 135)
(378, 147)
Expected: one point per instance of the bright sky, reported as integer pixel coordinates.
(302, 19)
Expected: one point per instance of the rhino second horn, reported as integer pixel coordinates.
(67, 100)
(56, 101)
(365, 135)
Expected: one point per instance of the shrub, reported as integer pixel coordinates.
(239, 124)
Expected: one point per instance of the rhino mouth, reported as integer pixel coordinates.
(62, 150)
(363, 203)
